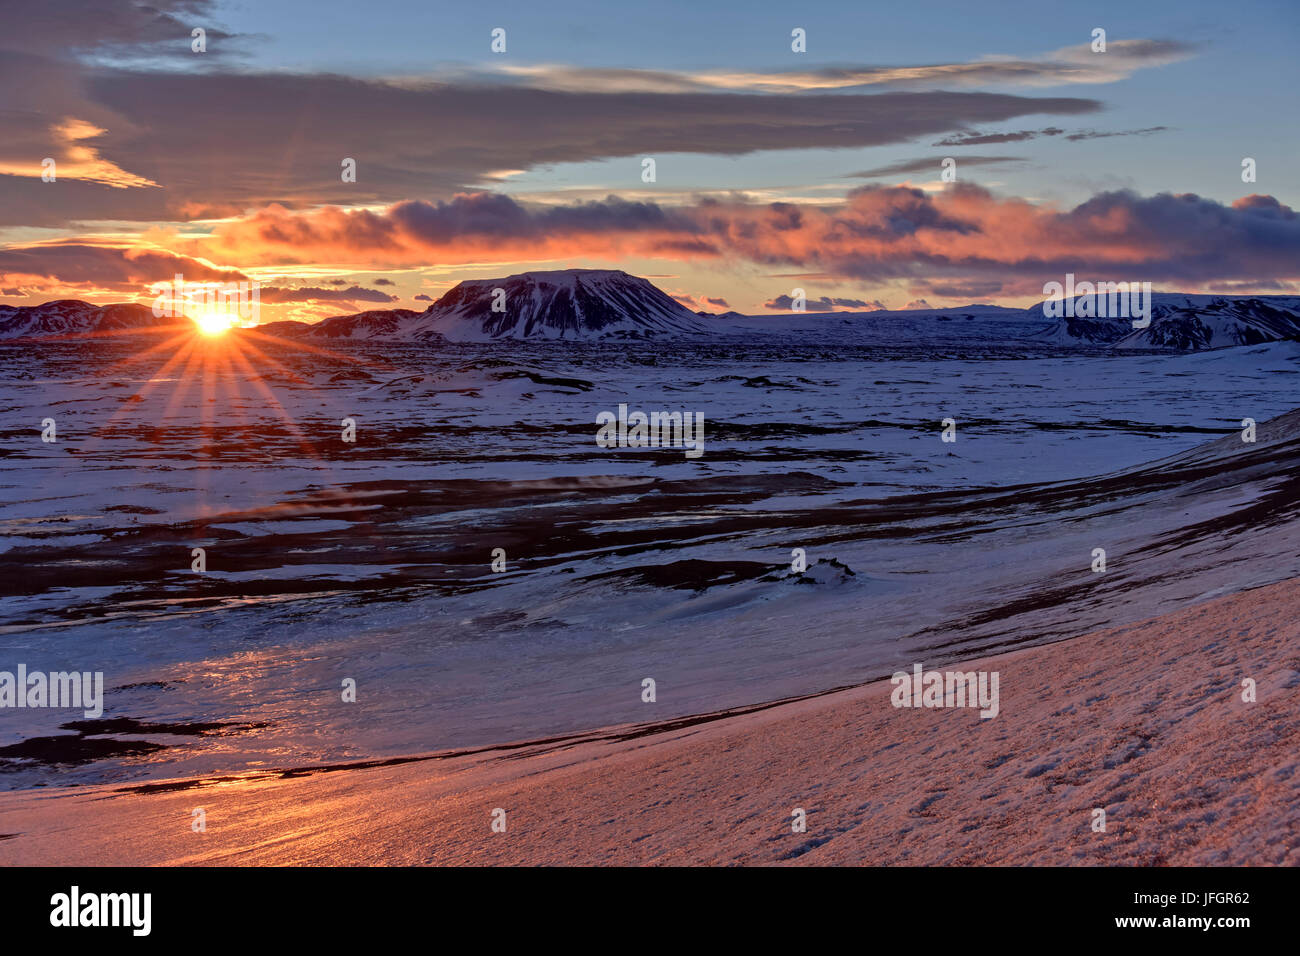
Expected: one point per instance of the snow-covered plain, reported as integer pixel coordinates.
(371, 560)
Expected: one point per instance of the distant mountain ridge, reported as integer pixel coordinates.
(74, 317)
(372, 324)
(1186, 323)
(598, 304)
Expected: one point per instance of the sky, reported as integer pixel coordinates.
(774, 169)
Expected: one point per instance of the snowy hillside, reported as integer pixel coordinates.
(1187, 323)
(373, 324)
(73, 317)
(569, 304)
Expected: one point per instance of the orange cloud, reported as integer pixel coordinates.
(962, 232)
(74, 160)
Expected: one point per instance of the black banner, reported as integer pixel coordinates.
(1223, 907)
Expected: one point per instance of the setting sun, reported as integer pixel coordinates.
(213, 322)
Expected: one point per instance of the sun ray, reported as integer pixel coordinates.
(144, 390)
(183, 379)
(303, 442)
(175, 340)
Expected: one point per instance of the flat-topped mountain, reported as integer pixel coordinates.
(568, 304)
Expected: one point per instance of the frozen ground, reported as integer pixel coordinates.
(371, 560)
(1145, 722)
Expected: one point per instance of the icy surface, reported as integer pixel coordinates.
(1145, 721)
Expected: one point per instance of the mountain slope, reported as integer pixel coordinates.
(1187, 323)
(373, 324)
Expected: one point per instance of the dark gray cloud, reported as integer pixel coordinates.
(1076, 64)
(821, 304)
(972, 138)
(120, 29)
(1255, 286)
(311, 294)
(217, 142)
(877, 233)
(106, 266)
(930, 165)
(965, 241)
(1093, 134)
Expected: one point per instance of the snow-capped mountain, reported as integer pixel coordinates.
(1187, 323)
(568, 304)
(72, 317)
